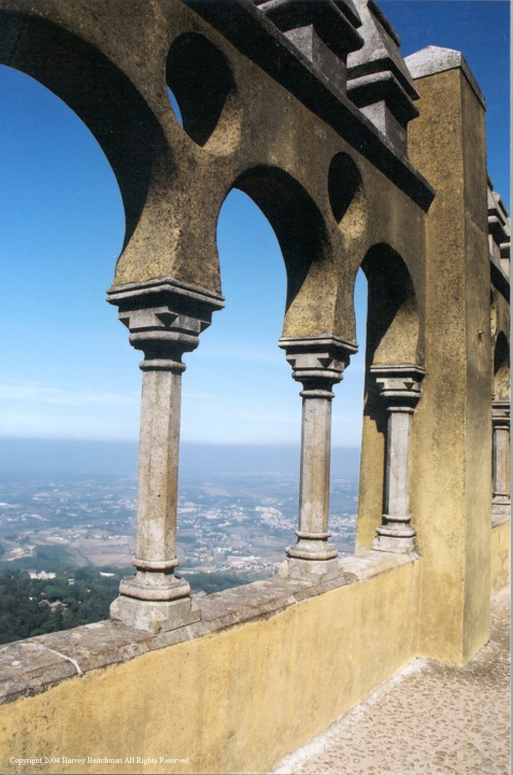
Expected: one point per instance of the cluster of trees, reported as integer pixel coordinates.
(25, 608)
(25, 603)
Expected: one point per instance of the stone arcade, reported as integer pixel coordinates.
(351, 152)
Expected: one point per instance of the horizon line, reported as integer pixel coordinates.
(183, 442)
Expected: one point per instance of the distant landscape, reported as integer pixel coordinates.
(70, 510)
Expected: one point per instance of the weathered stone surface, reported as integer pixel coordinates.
(325, 32)
(317, 363)
(435, 59)
(400, 389)
(165, 320)
(31, 666)
(28, 667)
(451, 500)
(501, 494)
(499, 231)
(379, 82)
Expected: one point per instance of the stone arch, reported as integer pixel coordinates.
(501, 368)
(392, 313)
(301, 232)
(86, 80)
(392, 356)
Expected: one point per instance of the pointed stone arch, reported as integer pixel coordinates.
(87, 80)
(303, 238)
(393, 327)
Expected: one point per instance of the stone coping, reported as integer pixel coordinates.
(31, 666)
(436, 59)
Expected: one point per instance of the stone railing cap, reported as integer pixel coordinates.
(31, 666)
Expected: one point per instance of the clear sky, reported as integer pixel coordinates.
(67, 369)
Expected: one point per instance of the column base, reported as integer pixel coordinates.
(154, 585)
(313, 547)
(156, 615)
(310, 570)
(396, 539)
(501, 508)
(154, 601)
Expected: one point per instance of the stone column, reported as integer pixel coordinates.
(164, 321)
(501, 495)
(400, 389)
(318, 364)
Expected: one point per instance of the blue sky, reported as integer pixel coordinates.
(67, 369)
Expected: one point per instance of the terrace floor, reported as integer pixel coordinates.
(429, 719)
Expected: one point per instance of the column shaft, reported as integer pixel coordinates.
(157, 500)
(397, 506)
(501, 454)
(501, 492)
(314, 491)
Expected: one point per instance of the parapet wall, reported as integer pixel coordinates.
(269, 666)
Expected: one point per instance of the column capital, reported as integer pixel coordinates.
(317, 362)
(399, 385)
(165, 319)
(501, 411)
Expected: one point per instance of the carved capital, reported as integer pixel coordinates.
(399, 386)
(501, 411)
(165, 319)
(317, 362)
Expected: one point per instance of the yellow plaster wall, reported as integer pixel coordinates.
(236, 701)
(370, 495)
(451, 439)
(500, 556)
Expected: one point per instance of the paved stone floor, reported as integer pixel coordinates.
(429, 719)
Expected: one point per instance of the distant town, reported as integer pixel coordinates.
(237, 523)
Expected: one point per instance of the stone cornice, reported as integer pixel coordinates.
(256, 36)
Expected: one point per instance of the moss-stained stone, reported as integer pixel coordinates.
(451, 488)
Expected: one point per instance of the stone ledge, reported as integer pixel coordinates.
(31, 666)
